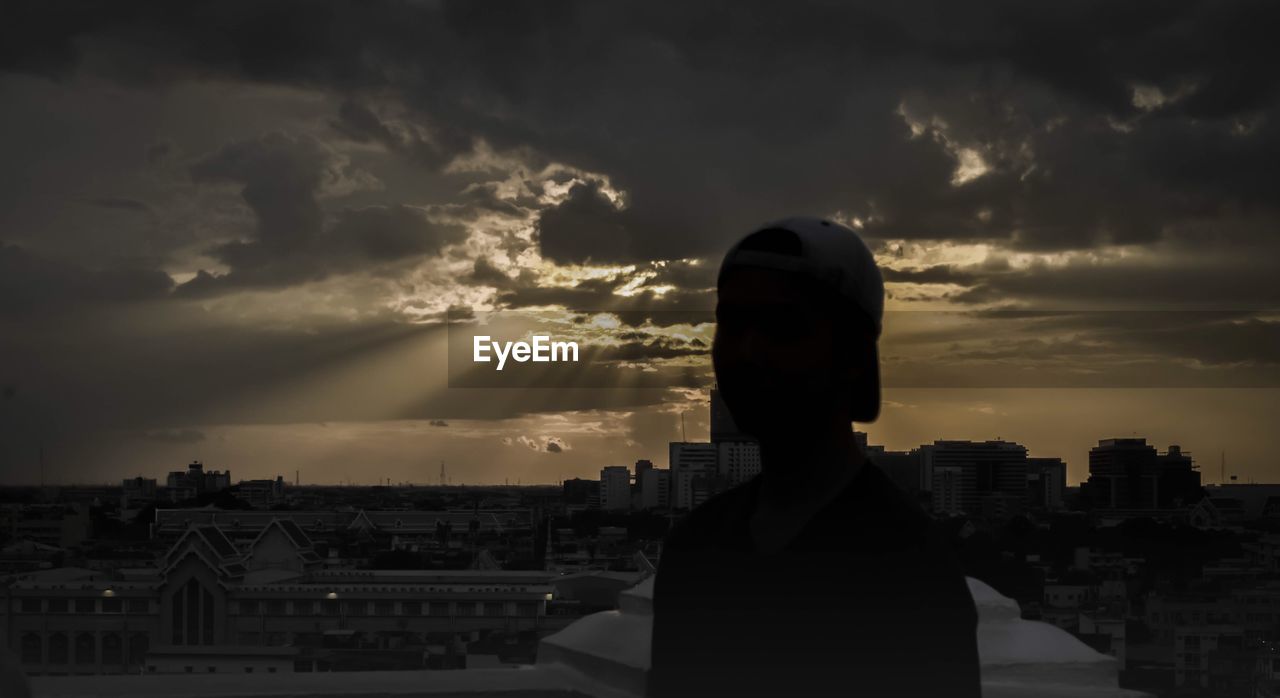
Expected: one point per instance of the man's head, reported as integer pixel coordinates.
(798, 320)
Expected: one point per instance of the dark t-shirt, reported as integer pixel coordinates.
(867, 600)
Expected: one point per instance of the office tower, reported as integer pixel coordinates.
(615, 488)
(693, 471)
(1130, 474)
(655, 489)
(965, 473)
(1046, 482)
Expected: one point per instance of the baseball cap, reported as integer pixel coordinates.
(836, 257)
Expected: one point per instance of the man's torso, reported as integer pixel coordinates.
(849, 602)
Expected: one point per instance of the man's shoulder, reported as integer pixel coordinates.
(888, 517)
(882, 493)
(714, 520)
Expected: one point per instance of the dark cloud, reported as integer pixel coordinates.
(545, 444)
(587, 226)
(30, 283)
(484, 272)
(1211, 283)
(936, 274)
(431, 147)
(282, 177)
(710, 135)
(384, 233)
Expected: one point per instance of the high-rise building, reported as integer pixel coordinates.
(965, 472)
(693, 471)
(737, 453)
(1130, 474)
(195, 480)
(737, 461)
(643, 465)
(1046, 483)
(655, 489)
(579, 493)
(615, 488)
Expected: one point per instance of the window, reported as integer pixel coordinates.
(86, 648)
(191, 608)
(466, 608)
(330, 607)
(438, 608)
(112, 649)
(411, 608)
(138, 606)
(383, 608)
(526, 608)
(248, 670)
(58, 605)
(85, 606)
(112, 605)
(31, 605)
(276, 607)
(58, 651)
(213, 670)
(356, 608)
(494, 608)
(248, 607)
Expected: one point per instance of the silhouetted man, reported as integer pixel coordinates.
(818, 576)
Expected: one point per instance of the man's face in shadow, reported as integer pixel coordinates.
(775, 355)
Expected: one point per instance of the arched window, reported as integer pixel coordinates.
(112, 650)
(58, 648)
(86, 648)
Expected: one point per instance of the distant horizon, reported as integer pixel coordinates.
(1205, 469)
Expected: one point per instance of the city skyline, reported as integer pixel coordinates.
(446, 478)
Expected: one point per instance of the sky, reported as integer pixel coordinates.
(238, 232)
